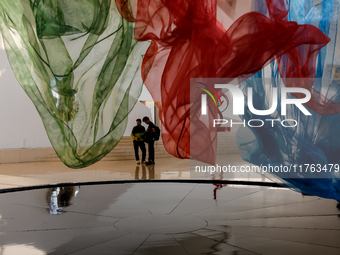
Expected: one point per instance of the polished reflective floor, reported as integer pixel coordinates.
(167, 218)
(41, 173)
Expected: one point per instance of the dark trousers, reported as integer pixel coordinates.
(136, 145)
(151, 148)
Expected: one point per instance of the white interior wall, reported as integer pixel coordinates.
(20, 125)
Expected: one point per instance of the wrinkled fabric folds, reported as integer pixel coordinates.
(187, 41)
(79, 64)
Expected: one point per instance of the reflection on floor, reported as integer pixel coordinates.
(167, 218)
(158, 218)
(29, 174)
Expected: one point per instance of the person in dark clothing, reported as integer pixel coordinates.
(138, 141)
(149, 139)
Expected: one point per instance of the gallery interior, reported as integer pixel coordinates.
(175, 127)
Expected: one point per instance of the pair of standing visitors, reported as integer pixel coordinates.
(141, 136)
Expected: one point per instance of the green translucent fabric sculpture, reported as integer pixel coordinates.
(79, 64)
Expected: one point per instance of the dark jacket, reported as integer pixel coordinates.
(149, 134)
(138, 131)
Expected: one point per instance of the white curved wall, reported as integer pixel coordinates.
(20, 125)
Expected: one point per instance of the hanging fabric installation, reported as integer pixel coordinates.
(79, 64)
(315, 140)
(83, 63)
(187, 41)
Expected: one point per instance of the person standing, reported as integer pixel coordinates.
(149, 139)
(138, 141)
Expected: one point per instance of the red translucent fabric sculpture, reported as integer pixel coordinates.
(187, 41)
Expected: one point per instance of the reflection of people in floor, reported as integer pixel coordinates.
(137, 136)
(149, 139)
(60, 197)
(151, 170)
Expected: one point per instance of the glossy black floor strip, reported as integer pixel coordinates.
(67, 184)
